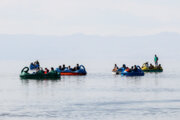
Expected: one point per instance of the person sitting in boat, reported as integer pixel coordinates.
(60, 68)
(52, 69)
(147, 65)
(41, 70)
(69, 68)
(115, 68)
(46, 71)
(127, 69)
(64, 67)
(159, 67)
(132, 68)
(135, 68)
(36, 64)
(124, 66)
(32, 66)
(151, 66)
(77, 67)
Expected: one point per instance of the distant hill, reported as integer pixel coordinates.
(89, 47)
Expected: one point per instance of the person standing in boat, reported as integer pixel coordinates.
(156, 60)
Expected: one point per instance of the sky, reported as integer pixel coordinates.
(89, 17)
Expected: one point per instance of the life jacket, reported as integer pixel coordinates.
(127, 70)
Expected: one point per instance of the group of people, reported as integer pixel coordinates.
(45, 71)
(134, 68)
(151, 66)
(36, 66)
(127, 69)
(63, 67)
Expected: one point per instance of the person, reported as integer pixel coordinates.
(32, 66)
(37, 69)
(132, 68)
(41, 70)
(77, 67)
(69, 68)
(52, 69)
(156, 60)
(37, 62)
(60, 68)
(64, 67)
(135, 68)
(151, 66)
(127, 69)
(159, 67)
(115, 68)
(124, 66)
(147, 65)
(46, 71)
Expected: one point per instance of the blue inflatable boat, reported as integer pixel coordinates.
(81, 71)
(138, 72)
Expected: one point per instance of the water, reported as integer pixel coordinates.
(97, 96)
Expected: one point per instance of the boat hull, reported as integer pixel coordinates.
(71, 74)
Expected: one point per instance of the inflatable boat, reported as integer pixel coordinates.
(38, 75)
(81, 71)
(155, 69)
(139, 72)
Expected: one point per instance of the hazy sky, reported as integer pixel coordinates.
(94, 17)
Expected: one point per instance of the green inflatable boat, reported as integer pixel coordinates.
(39, 75)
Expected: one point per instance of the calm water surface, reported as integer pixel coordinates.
(97, 96)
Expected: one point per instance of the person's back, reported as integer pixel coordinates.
(46, 71)
(63, 68)
(132, 68)
(32, 66)
(127, 69)
(52, 69)
(135, 68)
(77, 67)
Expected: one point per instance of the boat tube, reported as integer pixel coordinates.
(139, 72)
(38, 75)
(81, 71)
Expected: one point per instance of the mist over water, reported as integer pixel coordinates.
(99, 95)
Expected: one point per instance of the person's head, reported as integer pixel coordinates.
(159, 65)
(131, 67)
(52, 69)
(124, 65)
(63, 65)
(77, 65)
(115, 65)
(60, 67)
(134, 66)
(155, 55)
(69, 67)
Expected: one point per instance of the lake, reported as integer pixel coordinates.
(97, 96)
